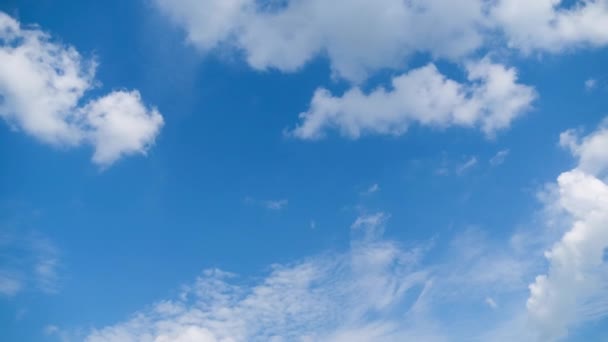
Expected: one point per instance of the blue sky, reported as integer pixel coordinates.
(303, 170)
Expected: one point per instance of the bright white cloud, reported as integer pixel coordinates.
(591, 150)
(551, 25)
(575, 287)
(42, 85)
(287, 34)
(490, 100)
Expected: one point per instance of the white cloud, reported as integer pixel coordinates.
(575, 287)
(499, 157)
(591, 150)
(42, 85)
(490, 100)
(548, 25)
(376, 291)
(287, 34)
(317, 299)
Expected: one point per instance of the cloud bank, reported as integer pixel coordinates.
(285, 35)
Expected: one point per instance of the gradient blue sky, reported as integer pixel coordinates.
(369, 218)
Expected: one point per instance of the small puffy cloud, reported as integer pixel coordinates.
(42, 87)
(490, 101)
(491, 303)
(547, 25)
(499, 157)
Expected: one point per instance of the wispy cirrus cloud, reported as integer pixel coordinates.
(380, 289)
(376, 290)
(28, 262)
(500, 157)
(271, 204)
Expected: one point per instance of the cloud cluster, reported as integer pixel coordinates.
(362, 36)
(491, 99)
(42, 89)
(287, 34)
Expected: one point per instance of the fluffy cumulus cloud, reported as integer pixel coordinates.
(490, 99)
(590, 149)
(552, 25)
(575, 288)
(42, 86)
(286, 34)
